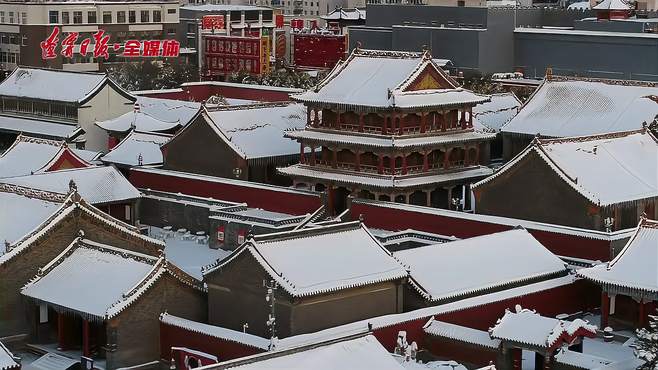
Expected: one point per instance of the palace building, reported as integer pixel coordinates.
(390, 126)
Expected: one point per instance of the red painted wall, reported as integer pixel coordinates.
(399, 219)
(319, 51)
(200, 92)
(460, 352)
(269, 198)
(579, 296)
(172, 336)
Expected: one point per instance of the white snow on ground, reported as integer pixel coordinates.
(189, 255)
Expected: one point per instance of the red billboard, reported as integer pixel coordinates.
(212, 22)
(224, 55)
(318, 51)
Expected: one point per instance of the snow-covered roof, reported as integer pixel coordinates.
(614, 5)
(324, 252)
(138, 120)
(22, 210)
(634, 268)
(363, 352)
(7, 361)
(97, 185)
(50, 84)
(96, 280)
(221, 7)
(257, 131)
(323, 136)
(584, 5)
(136, 145)
(379, 79)
(216, 331)
(460, 333)
(483, 263)
(29, 155)
(345, 14)
(56, 130)
(189, 255)
(530, 328)
(382, 181)
(51, 361)
(491, 116)
(605, 169)
(169, 110)
(563, 107)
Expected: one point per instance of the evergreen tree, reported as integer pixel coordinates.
(646, 346)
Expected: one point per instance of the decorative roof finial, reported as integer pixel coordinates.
(358, 46)
(549, 73)
(72, 187)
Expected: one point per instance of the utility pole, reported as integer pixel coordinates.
(270, 298)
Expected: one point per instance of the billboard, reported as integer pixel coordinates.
(212, 22)
(317, 50)
(223, 55)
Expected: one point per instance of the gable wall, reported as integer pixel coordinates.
(105, 105)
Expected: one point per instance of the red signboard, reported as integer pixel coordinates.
(102, 46)
(224, 55)
(278, 21)
(318, 51)
(212, 22)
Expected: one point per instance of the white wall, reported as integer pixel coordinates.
(107, 104)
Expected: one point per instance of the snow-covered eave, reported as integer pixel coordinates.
(491, 343)
(617, 286)
(11, 365)
(134, 293)
(105, 82)
(178, 322)
(379, 107)
(497, 286)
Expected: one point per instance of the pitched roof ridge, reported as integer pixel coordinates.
(609, 81)
(257, 105)
(134, 293)
(29, 192)
(63, 149)
(61, 70)
(594, 137)
(392, 54)
(307, 232)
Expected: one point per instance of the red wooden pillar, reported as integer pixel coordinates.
(444, 121)
(384, 127)
(605, 309)
(316, 118)
(426, 162)
(85, 338)
(360, 122)
(462, 119)
(312, 159)
(308, 117)
(470, 117)
(393, 122)
(358, 160)
(338, 120)
(402, 118)
(301, 152)
(392, 160)
(642, 315)
(330, 199)
(517, 358)
(466, 158)
(380, 165)
(423, 122)
(404, 164)
(61, 334)
(446, 159)
(334, 158)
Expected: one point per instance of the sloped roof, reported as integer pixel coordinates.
(379, 79)
(169, 110)
(614, 5)
(605, 169)
(563, 107)
(634, 268)
(22, 210)
(97, 185)
(483, 263)
(335, 257)
(138, 120)
(363, 352)
(50, 84)
(7, 361)
(528, 327)
(39, 127)
(460, 333)
(491, 116)
(29, 155)
(256, 131)
(136, 144)
(345, 14)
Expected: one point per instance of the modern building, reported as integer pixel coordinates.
(600, 182)
(390, 126)
(27, 23)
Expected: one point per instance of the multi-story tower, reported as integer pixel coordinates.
(390, 126)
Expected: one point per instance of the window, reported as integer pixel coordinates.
(171, 31)
(91, 17)
(121, 16)
(53, 16)
(107, 17)
(461, 3)
(77, 17)
(191, 28)
(43, 313)
(144, 16)
(65, 17)
(11, 17)
(171, 11)
(3, 57)
(131, 16)
(157, 16)
(24, 17)
(127, 212)
(2, 17)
